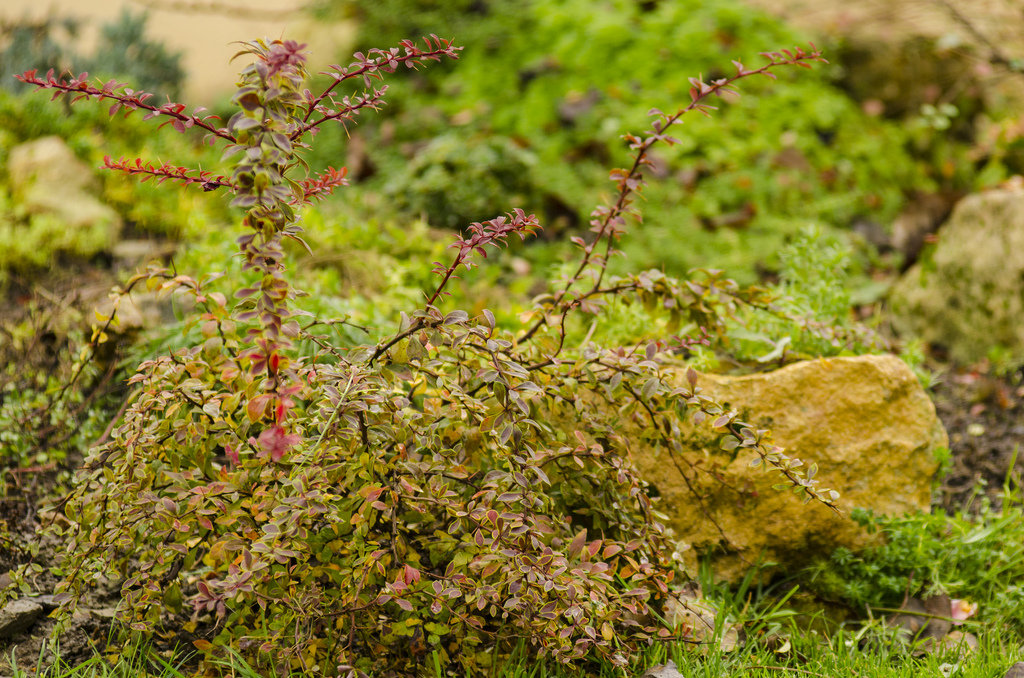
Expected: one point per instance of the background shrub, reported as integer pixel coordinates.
(572, 74)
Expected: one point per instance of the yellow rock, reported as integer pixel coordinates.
(865, 421)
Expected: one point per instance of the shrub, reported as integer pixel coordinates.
(451, 488)
(52, 400)
(456, 180)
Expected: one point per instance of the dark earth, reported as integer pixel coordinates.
(984, 417)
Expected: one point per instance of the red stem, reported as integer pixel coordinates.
(629, 183)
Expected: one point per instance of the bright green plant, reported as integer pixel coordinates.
(811, 315)
(799, 654)
(452, 487)
(807, 314)
(978, 557)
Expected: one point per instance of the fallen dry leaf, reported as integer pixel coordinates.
(964, 643)
(695, 617)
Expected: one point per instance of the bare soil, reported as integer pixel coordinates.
(984, 417)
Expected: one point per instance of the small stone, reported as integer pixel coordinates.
(938, 606)
(911, 618)
(47, 601)
(104, 612)
(1015, 671)
(521, 266)
(18, 616)
(144, 310)
(695, 617)
(132, 253)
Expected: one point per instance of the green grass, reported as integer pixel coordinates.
(847, 653)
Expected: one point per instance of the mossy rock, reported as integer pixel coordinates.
(52, 208)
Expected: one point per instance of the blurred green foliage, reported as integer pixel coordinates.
(126, 53)
(563, 79)
(455, 180)
(146, 210)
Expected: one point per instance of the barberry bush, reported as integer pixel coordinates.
(450, 489)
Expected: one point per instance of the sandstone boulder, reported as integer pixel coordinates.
(865, 421)
(969, 297)
(49, 162)
(56, 194)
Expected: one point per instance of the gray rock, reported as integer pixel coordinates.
(924, 619)
(133, 253)
(961, 642)
(49, 161)
(46, 601)
(103, 612)
(18, 616)
(969, 296)
(1015, 671)
(144, 310)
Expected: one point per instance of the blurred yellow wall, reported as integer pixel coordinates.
(204, 37)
